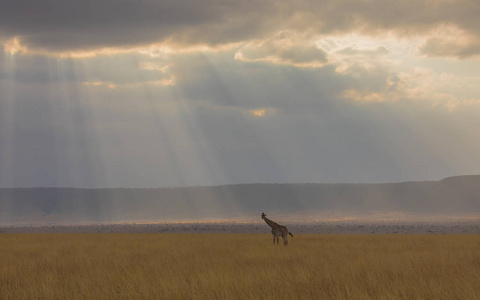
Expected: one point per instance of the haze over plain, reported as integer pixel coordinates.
(448, 203)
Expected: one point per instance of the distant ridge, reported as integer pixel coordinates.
(453, 196)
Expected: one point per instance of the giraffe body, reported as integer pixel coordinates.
(277, 230)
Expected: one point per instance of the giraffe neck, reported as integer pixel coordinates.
(270, 222)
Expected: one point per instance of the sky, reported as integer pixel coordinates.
(123, 93)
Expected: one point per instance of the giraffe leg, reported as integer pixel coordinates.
(274, 240)
(278, 242)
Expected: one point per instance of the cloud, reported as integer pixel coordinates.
(223, 81)
(378, 51)
(60, 26)
(114, 70)
(12, 46)
(258, 112)
(285, 48)
(301, 56)
(451, 41)
(84, 25)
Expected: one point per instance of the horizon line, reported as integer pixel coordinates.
(235, 184)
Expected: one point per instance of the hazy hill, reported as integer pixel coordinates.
(451, 196)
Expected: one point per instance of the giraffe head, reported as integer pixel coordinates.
(263, 215)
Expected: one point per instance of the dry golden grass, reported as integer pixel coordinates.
(238, 266)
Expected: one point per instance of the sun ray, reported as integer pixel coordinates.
(8, 121)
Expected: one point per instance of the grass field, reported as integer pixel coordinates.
(238, 266)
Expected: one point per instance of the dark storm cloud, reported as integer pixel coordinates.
(79, 25)
(58, 25)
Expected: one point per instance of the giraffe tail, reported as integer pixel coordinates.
(290, 234)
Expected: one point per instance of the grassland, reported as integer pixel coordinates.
(238, 266)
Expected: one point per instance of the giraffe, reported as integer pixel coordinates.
(277, 230)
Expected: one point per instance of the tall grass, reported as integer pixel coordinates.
(235, 266)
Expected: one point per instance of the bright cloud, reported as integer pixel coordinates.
(257, 112)
(285, 48)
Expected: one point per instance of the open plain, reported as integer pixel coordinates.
(437, 226)
(239, 266)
